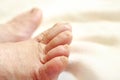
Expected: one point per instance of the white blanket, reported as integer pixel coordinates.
(95, 50)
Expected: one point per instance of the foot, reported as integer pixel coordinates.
(42, 58)
(21, 27)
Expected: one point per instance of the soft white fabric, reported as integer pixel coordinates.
(95, 50)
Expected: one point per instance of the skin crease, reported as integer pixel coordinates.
(22, 58)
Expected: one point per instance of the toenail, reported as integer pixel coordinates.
(66, 46)
(68, 26)
(34, 10)
(64, 60)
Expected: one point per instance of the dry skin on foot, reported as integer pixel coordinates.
(22, 60)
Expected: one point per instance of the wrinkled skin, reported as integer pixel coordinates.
(41, 58)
